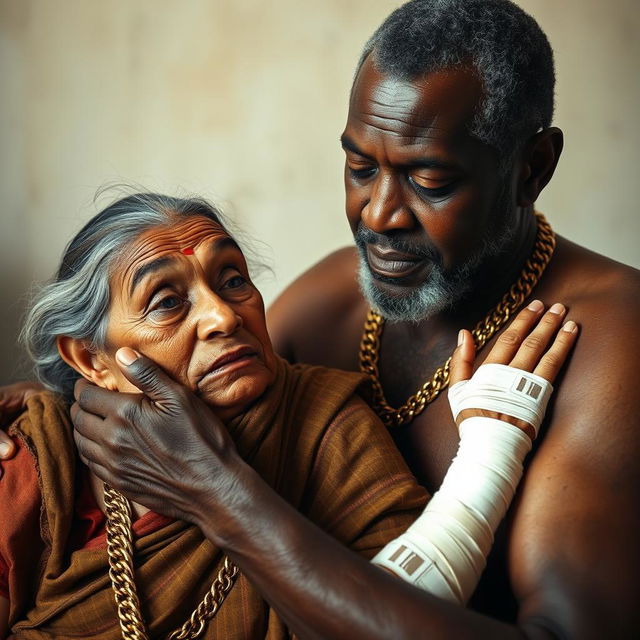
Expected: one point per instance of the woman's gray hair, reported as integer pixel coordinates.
(505, 45)
(76, 302)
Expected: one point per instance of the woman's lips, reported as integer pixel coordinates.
(229, 362)
(393, 264)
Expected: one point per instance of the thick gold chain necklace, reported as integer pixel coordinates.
(482, 333)
(120, 552)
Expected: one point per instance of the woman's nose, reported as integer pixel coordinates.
(216, 317)
(386, 209)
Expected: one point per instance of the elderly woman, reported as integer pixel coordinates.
(163, 277)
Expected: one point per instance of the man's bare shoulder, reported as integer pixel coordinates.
(602, 296)
(596, 391)
(584, 475)
(583, 275)
(317, 318)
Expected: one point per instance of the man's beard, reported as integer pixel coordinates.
(441, 289)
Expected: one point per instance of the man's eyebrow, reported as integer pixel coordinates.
(144, 270)
(349, 145)
(431, 163)
(425, 163)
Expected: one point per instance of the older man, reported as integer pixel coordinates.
(448, 144)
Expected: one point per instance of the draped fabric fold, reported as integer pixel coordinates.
(309, 437)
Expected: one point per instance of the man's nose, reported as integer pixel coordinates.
(216, 316)
(387, 209)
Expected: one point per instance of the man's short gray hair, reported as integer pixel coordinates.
(503, 43)
(76, 302)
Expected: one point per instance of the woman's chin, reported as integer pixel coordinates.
(230, 400)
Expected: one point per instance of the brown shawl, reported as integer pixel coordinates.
(309, 437)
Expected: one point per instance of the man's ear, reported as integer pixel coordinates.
(78, 355)
(539, 159)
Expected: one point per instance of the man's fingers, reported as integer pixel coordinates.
(87, 453)
(510, 340)
(90, 452)
(85, 423)
(461, 366)
(552, 361)
(7, 446)
(101, 402)
(146, 375)
(535, 344)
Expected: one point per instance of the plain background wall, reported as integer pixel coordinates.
(244, 101)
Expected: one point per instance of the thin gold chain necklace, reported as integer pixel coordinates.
(120, 552)
(482, 333)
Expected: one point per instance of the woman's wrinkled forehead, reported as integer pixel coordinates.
(185, 236)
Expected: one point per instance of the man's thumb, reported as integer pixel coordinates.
(461, 367)
(146, 375)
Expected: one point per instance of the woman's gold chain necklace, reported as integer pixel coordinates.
(120, 552)
(482, 333)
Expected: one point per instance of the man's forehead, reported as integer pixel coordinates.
(446, 99)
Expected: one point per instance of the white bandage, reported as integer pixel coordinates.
(497, 387)
(444, 551)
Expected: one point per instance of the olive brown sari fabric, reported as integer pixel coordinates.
(309, 437)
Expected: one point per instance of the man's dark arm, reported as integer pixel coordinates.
(320, 588)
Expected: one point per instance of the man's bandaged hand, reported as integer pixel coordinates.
(444, 551)
(513, 384)
(502, 392)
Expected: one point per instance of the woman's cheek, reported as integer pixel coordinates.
(169, 348)
(172, 355)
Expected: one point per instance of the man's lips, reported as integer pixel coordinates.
(233, 359)
(393, 264)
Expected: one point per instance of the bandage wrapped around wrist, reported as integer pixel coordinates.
(445, 550)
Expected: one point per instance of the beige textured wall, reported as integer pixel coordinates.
(244, 101)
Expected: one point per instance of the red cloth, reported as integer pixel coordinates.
(19, 486)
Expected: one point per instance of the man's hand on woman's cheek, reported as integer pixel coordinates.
(163, 448)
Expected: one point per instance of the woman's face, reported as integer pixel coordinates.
(182, 296)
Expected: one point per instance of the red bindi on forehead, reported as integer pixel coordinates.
(188, 251)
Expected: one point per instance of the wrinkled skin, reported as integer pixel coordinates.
(200, 479)
(551, 574)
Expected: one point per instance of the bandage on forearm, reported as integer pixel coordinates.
(444, 551)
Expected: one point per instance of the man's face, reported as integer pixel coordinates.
(424, 199)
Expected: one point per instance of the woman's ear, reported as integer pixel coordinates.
(539, 159)
(78, 355)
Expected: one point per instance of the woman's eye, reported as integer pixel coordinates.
(166, 303)
(234, 283)
(170, 302)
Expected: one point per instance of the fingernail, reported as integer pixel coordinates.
(4, 449)
(536, 305)
(570, 327)
(460, 337)
(126, 356)
(557, 308)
